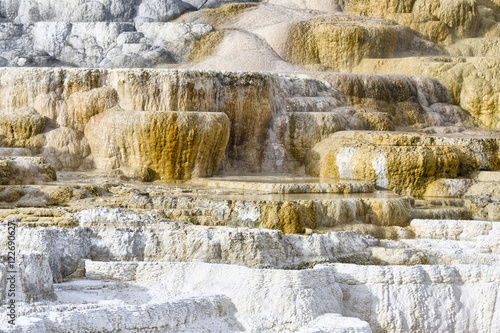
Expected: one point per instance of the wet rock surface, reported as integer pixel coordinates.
(227, 166)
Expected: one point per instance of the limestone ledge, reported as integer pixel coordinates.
(250, 100)
(33, 278)
(185, 314)
(114, 235)
(272, 116)
(364, 289)
(289, 215)
(339, 42)
(404, 162)
(25, 170)
(173, 145)
(473, 81)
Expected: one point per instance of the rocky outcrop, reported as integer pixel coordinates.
(174, 145)
(440, 21)
(405, 163)
(66, 148)
(406, 100)
(32, 282)
(19, 125)
(341, 42)
(25, 170)
(128, 238)
(291, 216)
(70, 97)
(464, 77)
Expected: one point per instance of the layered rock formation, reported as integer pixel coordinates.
(275, 166)
(173, 145)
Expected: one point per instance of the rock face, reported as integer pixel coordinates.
(404, 163)
(387, 285)
(174, 145)
(463, 76)
(113, 33)
(404, 100)
(25, 170)
(341, 42)
(439, 21)
(36, 278)
(250, 166)
(18, 126)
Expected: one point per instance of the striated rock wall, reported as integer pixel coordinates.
(70, 97)
(174, 145)
(421, 298)
(407, 100)
(290, 216)
(473, 82)
(403, 162)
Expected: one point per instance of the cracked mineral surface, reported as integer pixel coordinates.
(313, 166)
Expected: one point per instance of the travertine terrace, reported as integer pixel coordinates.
(230, 166)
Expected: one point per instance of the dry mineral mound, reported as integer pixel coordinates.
(231, 166)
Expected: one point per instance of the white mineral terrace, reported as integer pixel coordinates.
(312, 166)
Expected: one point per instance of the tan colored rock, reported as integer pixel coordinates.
(250, 99)
(405, 163)
(175, 145)
(476, 47)
(83, 105)
(442, 21)
(65, 148)
(460, 15)
(425, 24)
(18, 126)
(21, 87)
(492, 189)
(405, 100)
(300, 131)
(11, 194)
(10, 152)
(232, 93)
(76, 109)
(305, 129)
(291, 215)
(341, 42)
(216, 16)
(50, 105)
(473, 82)
(25, 170)
(288, 217)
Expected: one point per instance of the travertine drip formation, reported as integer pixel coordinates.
(229, 166)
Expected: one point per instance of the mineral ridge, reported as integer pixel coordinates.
(263, 166)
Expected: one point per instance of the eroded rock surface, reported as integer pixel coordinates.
(174, 145)
(274, 166)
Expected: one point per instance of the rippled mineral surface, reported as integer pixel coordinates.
(228, 166)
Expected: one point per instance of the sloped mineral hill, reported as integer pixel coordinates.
(229, 166)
